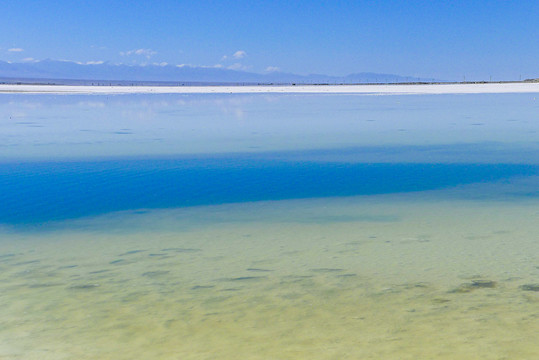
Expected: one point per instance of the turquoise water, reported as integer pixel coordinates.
(269, 226)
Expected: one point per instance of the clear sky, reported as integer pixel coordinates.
(432, 39)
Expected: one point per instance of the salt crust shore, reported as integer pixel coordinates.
(299, 89)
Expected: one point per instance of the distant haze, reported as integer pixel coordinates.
(68, 70)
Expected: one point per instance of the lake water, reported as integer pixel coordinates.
(269, 226)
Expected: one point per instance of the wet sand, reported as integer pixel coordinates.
(392, 89)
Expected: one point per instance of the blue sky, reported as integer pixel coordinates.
(432, 39)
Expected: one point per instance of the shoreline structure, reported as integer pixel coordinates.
(375, 89)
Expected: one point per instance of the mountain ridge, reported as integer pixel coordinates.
(105, 71)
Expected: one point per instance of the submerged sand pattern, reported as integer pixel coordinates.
(397, 278)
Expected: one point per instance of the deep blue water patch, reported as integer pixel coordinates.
(48, 191)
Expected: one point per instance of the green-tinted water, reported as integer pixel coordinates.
(376, 277)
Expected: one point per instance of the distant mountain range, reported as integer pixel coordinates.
(178, 74)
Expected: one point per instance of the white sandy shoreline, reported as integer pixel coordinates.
(393, 89)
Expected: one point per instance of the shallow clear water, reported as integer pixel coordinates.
(271, 227)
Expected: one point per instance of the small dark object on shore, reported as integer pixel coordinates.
(84, 286)
(483, 283)
(530, 287)
(474, 285)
